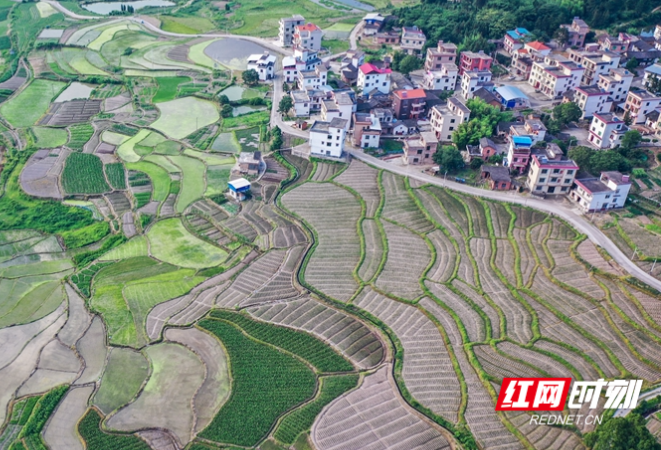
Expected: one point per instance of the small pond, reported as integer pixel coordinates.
(232, 53)
(233, 93)
(105, 8)
(246, 109)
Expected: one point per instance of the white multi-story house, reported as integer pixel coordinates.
(551, 173)
(639, 104)
(445, 119)
(366, 130)
(473, 80)
(594, 63)
(413, 40)
(327, 138)
(289, 69)
(609, 191)
(302, 102)
(533, 128)
(340, 105)
(591, 99)
(371, 77)
(444, 53)
(443, 79)
(617, 83)
(313, 79)
(263, 64)
(554, 77)
(606, 130)
(286, 31)
(308, 36)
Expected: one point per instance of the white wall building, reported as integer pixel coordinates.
(286, 31)
(445, 119)
(302, 102)
(606, 130)
(327, 138)
(471, 81)
(263, 64)
(609, 191)
(340, 105)
(641, 103)
(308, 36)
(555, 77)
(444, 79)
(617, 82)
(592, 100)
(313, 79)
(371, 77)
(367, 130)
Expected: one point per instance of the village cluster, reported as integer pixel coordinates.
(369, 103)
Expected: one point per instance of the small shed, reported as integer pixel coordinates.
(498, 177)
(239, 188)
(512, 97)
(249, 162)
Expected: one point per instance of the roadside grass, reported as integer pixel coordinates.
(335, 45)
(38, 96)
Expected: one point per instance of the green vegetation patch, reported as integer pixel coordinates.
(135, 247)
(50, 137)
(186, 25)
(116, 175)
(27, 299)
(83, 279)
(182, 116)
(252, 408)
(217, 178)
(160, 179)
(172, 243)
(38, 96)
(192, 182)
(301, 419)
(86, 235)
(125, 373)
(95, 438)
(80, 135)
(167, 88)
(41, 412)
(83, 174)
(226, 142)
(308, 347)
(248, 139)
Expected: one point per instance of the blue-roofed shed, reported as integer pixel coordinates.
(522, 141)
(239, 188)
(512, 97)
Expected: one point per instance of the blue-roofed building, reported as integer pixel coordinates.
(239, 188)
(512, 97)
(518, 153)
(514, 39)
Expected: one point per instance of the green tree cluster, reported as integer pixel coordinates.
(622, 433)
(250, 77)
(483, 121)
(449, 158)
(622, 158)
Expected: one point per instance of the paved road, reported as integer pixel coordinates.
(571, 215)
(644, 396)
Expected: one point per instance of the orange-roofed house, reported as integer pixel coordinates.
(537, 50)
(371, 77)
(307, 36)
(409, 103)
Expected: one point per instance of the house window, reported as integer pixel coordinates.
(544, 170)
(541, 180)
(419, 152)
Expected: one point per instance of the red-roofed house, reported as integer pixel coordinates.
(307, 36)
(409, 104)
(537, 49)
(371, 77)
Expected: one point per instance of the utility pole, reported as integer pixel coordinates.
(634, 253)
(652, 269)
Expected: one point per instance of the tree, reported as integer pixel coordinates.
(581, 156)
(653, 84)
(607, 160)
(409, 64)
(496, 159)
(561, 35)
(622, 433)
(632, 65)
(397, 57)
(286, 103)
(627, 118)
(631, 139)
(567, 112)
(484, 118)
(449, 158)
(476, 163)
(250, 77)
(226, 110)
(223, 99)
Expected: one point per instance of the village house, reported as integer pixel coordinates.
(263, 64)
(485, 149)
(521, 65)
(327, 138)
(371, 78)
(488, 97)
(532, 128)
(474, 80)
(612, 44)
(576, 30)
(308, 36)
(420, 149)
(609, 191)
(340, 105)
(289, 70)
(286, 30)
(385, 117)
(301, 101)
(550, 172)
(306, 59)
(553, 77)
(617, 83)
(606, 130)
(443, 79)
(498, 177)
(512, 97)
(413, 40)
(471, 61)
(537, 50)
(444, 53)
(408, 104)
(372, 23)
(594, 63)
(591, 99)
(249, 162)
(445, 119)
(351, 61)
(518, 153)
(313, 79)
(514, 39)
(390, 37)
(239, 189)
(653, 71)
(639, 104)
(366, 130)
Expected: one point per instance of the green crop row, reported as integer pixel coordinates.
(84, 236)
(80, 134)
(42, 411)
(265, 384)
(83, 279)
(116, 175)
(308, 347)
(302, 418)
(124, 129)
(83, 174)
(90, 430)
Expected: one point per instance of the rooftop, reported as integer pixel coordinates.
(607, 117)
(413, 32)
(249, 157)
(410, 93)
(262, 58)
(486, 142)
(510, 92)
(643, 95)
(593, 185)
(522, 140)
(496, 173)
(307, 27)
(368, 68)
(539, 46)
(300, 96)
(543, 161)
(518, 33)
(428, 136)
(239, 184)
(615, 177)
(458, 104)
(592, 90)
